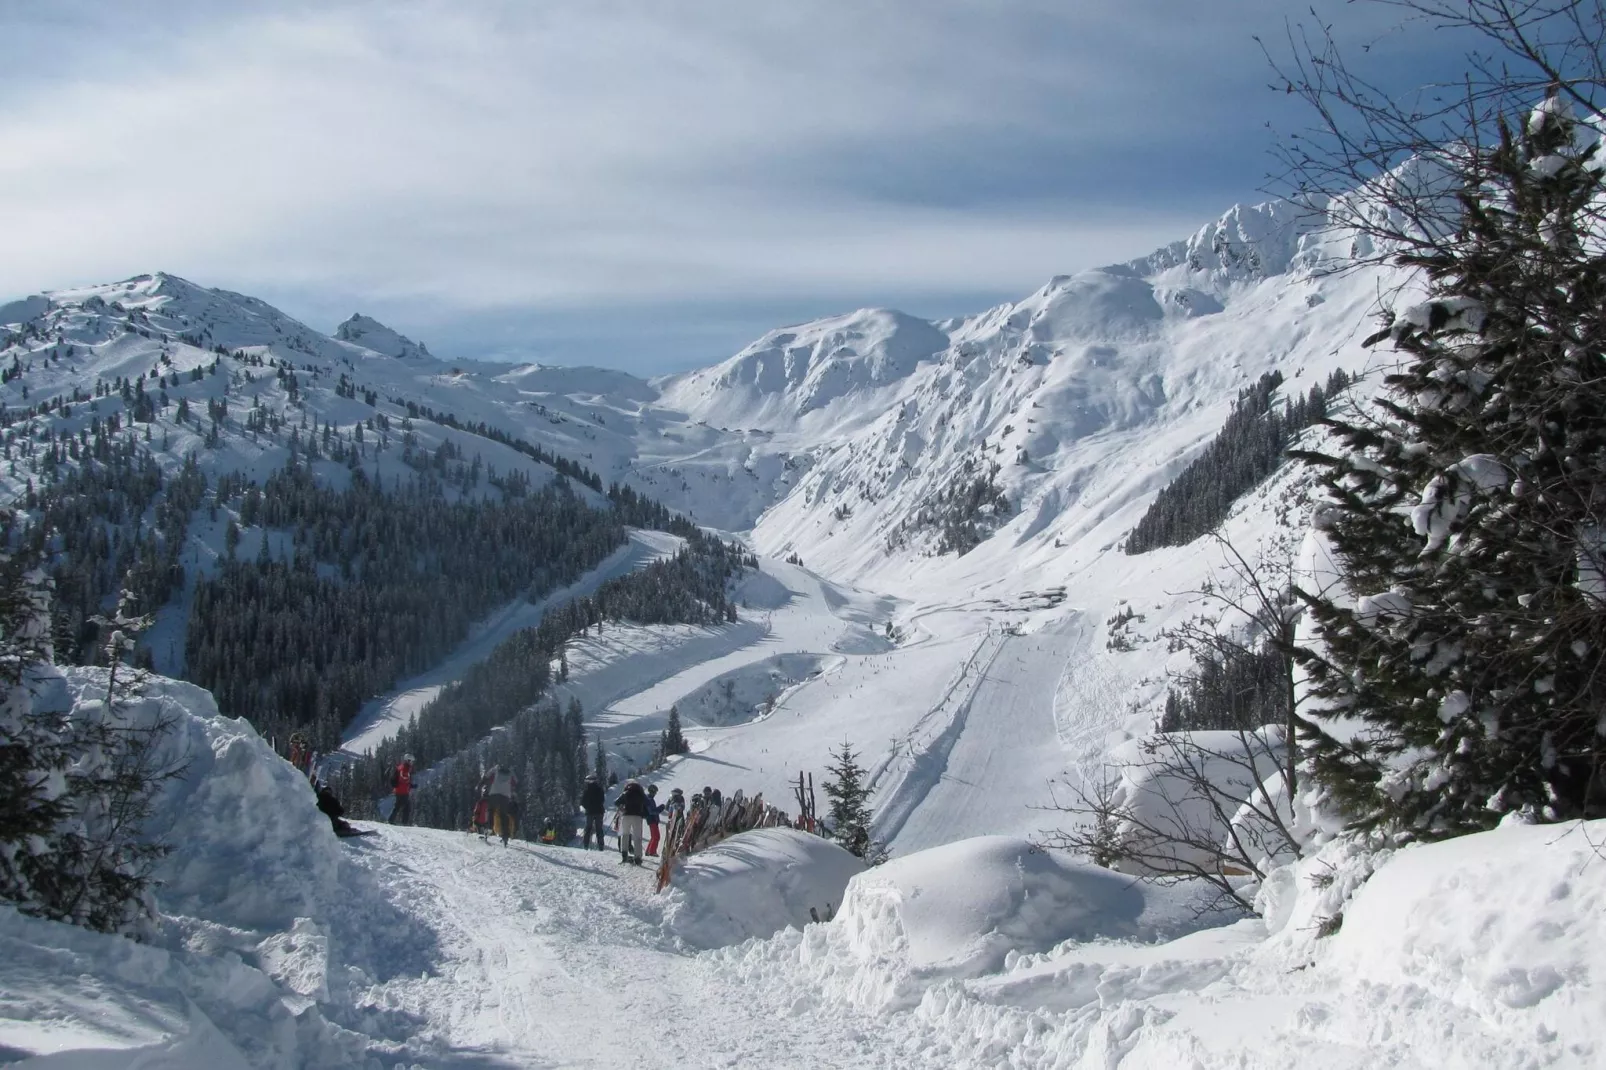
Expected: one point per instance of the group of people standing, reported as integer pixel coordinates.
(637, 812)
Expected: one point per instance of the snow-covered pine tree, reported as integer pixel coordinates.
(600, 762)
(1463, 679)
(75, 786)
(35, 747)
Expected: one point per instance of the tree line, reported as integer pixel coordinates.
(1250, 446)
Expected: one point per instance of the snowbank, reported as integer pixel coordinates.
(1509, 924)
(957, 911)
(250, 848)
(960, 908)
(267, 939)
(756, 884)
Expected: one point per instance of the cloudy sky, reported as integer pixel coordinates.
(633, 183)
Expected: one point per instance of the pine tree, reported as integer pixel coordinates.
(600, 761)
(1467, 514)
(35, 748)
(674, 738)
(75, 786)
(849, 817)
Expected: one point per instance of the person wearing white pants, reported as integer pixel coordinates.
(630, 846)
(632, 815)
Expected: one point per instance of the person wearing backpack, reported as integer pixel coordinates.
(401, 782)
(632, 806)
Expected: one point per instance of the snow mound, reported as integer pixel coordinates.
(1507, 921)
(755, 885)
(960, 908)
(251, 849)
(956, 912)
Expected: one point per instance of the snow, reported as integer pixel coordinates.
(958, 910)
(1159, 777)
(438, 949)
(967, 684)
(756, 884)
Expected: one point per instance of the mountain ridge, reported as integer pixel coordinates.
(833, 437)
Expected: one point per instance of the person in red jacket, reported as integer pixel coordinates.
(401, 782)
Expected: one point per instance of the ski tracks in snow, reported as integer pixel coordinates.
(991, 766)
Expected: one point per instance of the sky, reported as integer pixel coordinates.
(631, 183)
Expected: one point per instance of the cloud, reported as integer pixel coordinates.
(570, 156)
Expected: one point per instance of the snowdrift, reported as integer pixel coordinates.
(1508, 926)
(955, 912)
(755, 885)
(262, 920)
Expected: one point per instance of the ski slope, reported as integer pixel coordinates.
(992, 766)
(383, 717)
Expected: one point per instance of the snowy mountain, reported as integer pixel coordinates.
(827, 439)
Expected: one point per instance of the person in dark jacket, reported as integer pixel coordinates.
(593, 803)
(652, 820)
(330, 805)
(632, 812)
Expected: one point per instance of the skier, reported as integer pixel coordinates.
(653, 808)
(401, 782)
(592, 802)
(499, 786)
(632, 806)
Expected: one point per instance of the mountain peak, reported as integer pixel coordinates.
(369, 333)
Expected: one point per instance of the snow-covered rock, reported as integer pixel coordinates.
(756, 884)
(369, 333)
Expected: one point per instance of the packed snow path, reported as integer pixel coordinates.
(554, 956)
